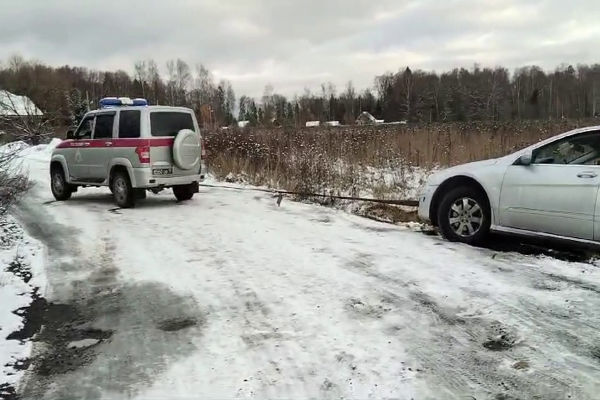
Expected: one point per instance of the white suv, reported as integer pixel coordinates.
(131, 147)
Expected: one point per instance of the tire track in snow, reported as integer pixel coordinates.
(290, 357)
(347, 327)
(452, 342)
(149, 324)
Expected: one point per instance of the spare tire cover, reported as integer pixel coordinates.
(186, 149)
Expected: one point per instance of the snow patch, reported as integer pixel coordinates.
(78, 344)
(21, 272)
(41, 152)
(24, 150)
(13, 147)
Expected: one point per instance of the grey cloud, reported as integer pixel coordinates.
(294, 44)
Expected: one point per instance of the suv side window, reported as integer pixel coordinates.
(104, 126)
(582, 149)
(168, 123)
(129, 124)
(85, 128)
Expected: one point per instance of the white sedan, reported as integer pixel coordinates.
(547, 190)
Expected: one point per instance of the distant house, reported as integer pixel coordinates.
(313, 123)
(365, 118)
(332, 123)
(20, 118)
(12, 105)
(242, 124)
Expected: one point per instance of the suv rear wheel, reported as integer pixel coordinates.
(123, 193)
(464, 215)
(183, 192)
(60, 188)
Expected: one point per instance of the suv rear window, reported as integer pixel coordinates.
(129, 124)
(168, 123)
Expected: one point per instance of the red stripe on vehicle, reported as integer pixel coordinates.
(88, 143)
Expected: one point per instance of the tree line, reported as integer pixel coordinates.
(66, 93)
(476, 94)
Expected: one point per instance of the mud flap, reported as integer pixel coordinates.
(194, 187)
(140, 194)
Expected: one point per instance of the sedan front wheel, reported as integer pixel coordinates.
(464, 215)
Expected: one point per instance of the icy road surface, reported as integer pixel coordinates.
(230, 296)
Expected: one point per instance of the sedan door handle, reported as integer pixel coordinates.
(108, 144)
(587, 174)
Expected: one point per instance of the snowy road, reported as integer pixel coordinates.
(231, 296)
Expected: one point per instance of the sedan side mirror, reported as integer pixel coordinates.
(70, 134)
(525, 159)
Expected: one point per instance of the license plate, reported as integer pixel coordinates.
(162, 171)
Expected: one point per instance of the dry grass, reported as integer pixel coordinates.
(343, 158)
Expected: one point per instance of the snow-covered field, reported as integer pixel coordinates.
(402, 182)
(231, 296)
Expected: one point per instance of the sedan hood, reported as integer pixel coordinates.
(467, 169)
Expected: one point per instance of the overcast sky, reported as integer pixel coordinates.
(297, 44)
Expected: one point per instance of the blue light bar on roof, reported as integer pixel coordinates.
(140, 102)
(109, 102)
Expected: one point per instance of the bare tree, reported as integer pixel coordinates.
(171, 83)
(141, 75)
(204, 83)
(349, 96)
(16, 62)
(268, 104)
(155, 81)
(328, 93)
(183, 78)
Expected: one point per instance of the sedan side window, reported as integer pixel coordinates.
(583, 149)
(85, 129)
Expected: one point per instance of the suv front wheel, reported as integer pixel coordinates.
(183, 192)
(60, 188)
(122, 191)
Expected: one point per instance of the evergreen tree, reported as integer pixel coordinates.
(289, 114)
(77, 107)
(252, 114)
